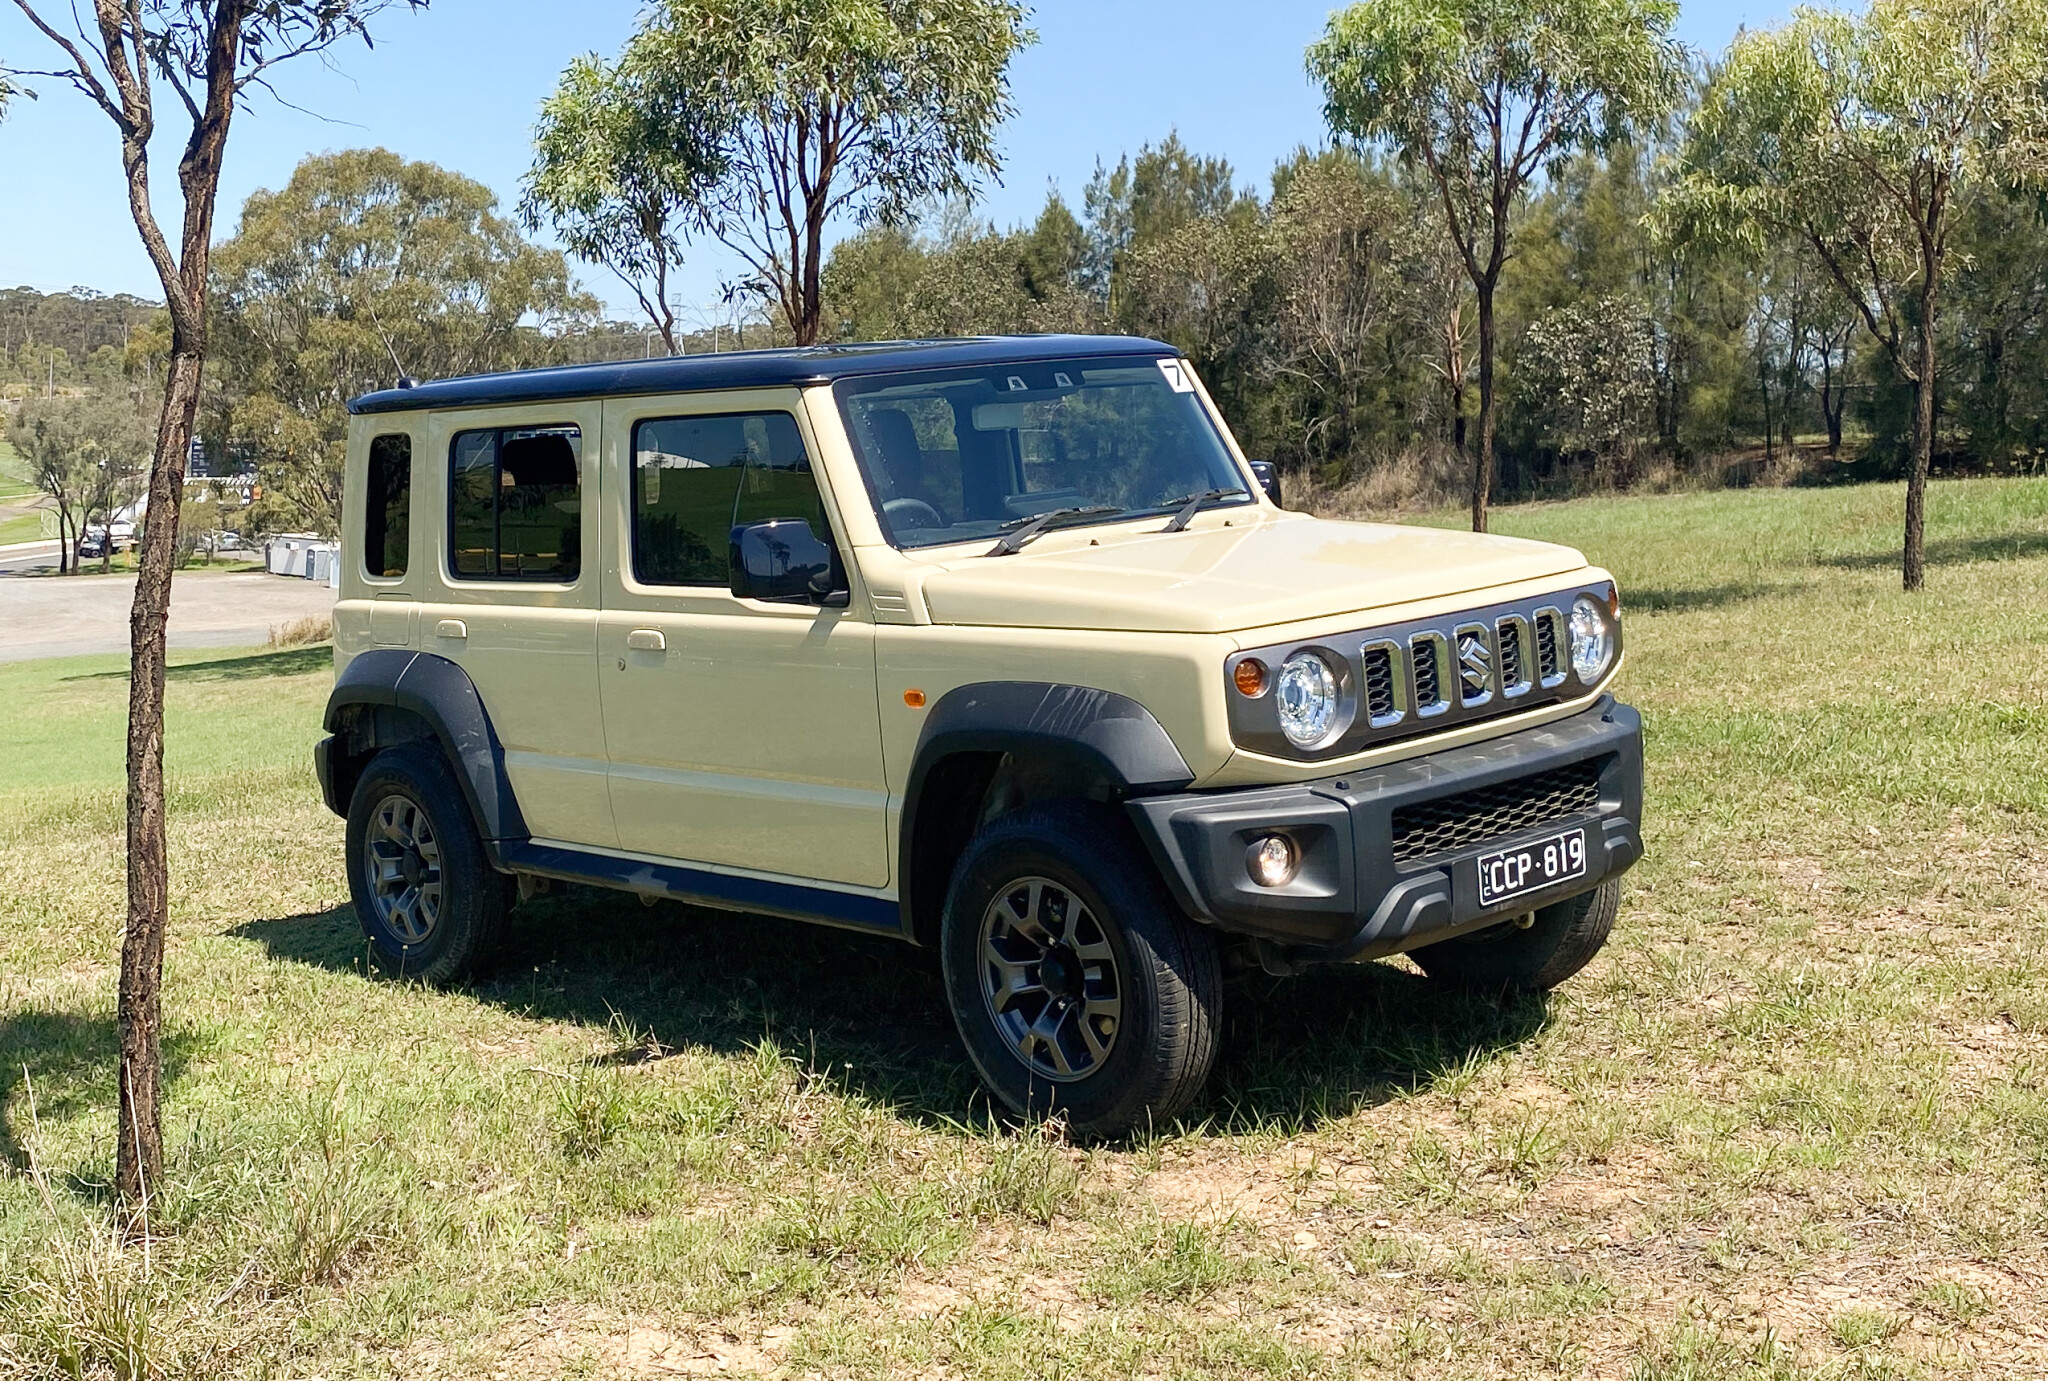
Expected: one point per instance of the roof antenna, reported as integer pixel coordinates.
(405, 380)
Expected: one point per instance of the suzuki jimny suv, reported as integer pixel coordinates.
(997, 646)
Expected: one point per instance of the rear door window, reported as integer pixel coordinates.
(515, 504)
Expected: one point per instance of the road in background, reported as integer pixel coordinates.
(71, 616)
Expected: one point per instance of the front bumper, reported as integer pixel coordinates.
(1354, 896)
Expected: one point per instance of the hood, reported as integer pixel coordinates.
(1282, 568)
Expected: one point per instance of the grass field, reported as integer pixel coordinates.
(1793, 1123)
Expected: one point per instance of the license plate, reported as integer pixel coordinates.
(1510, 873)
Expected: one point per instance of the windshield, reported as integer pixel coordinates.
(957, 456)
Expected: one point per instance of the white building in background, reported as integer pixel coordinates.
(304, 555)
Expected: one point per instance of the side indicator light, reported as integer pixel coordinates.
(914, 699)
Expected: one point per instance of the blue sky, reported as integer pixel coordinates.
(458, 85)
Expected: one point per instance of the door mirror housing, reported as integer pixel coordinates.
(1268, 476)
(782, 560)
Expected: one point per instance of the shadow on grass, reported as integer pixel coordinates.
(70, 1062)
(1296, 1052)
(1954, 551)
(286, 661)
(1684, 599)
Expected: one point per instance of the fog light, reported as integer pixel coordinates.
(1270, 860)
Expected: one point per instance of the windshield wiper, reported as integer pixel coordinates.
(1192, 504)
(1023, 530)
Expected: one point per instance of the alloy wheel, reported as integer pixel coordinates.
(403, 859)
(1049, 976)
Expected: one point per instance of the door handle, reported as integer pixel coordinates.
(646, 640)
(451, 628)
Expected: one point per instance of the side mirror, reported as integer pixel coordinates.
(1268, 476)
(782, 560)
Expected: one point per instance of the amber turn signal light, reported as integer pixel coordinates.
(914, 699)
(1250, 677)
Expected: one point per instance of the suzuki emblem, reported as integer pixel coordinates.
(1475, 662)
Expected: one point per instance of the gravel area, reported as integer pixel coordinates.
(71, 616)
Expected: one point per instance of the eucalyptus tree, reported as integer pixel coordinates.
(85, 453)
(207, 54)
(1858, 137)
(362, 267)
(1486, 96)
(809, 112)
(616, 176)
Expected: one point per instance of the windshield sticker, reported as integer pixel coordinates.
(1176, 376)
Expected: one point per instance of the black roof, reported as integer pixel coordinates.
(744, 369)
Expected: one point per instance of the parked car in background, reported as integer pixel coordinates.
(999, 647)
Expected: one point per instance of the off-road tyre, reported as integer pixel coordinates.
(1560, 940)
(1167, 976)
(468, 915)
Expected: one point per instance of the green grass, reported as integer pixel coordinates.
(14, 476)
(23, 527)
(1793, 1123)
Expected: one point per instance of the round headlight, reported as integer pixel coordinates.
(1592, 639)
(1305, 693)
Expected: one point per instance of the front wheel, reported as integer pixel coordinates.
(1078, 987)
(1531, 955)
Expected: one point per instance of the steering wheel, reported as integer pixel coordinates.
(911, 513)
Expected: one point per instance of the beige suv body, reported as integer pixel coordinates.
(821, 633)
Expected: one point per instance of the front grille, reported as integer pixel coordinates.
(1379, 682)
(1472, 817)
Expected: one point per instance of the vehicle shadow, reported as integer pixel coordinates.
(1297, 1051)
(287, 661)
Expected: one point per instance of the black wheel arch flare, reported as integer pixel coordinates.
(388, 696)
(1069, 740)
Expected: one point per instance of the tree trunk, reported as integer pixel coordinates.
(1915, 556)
(139, 1164)
(1482, 463)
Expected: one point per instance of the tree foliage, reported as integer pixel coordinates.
(1486, 95)
(617, 173)
(1857, 138)
(364, 267)
(804, 114)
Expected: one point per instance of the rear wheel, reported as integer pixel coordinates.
(429, 902)
(1532, 954)
(1077, 986)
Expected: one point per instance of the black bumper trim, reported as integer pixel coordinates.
(1350, 900)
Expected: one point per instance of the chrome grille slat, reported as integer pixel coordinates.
(1549, 642)
(1513, 643)
(1430, 651)
(1386, 699)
